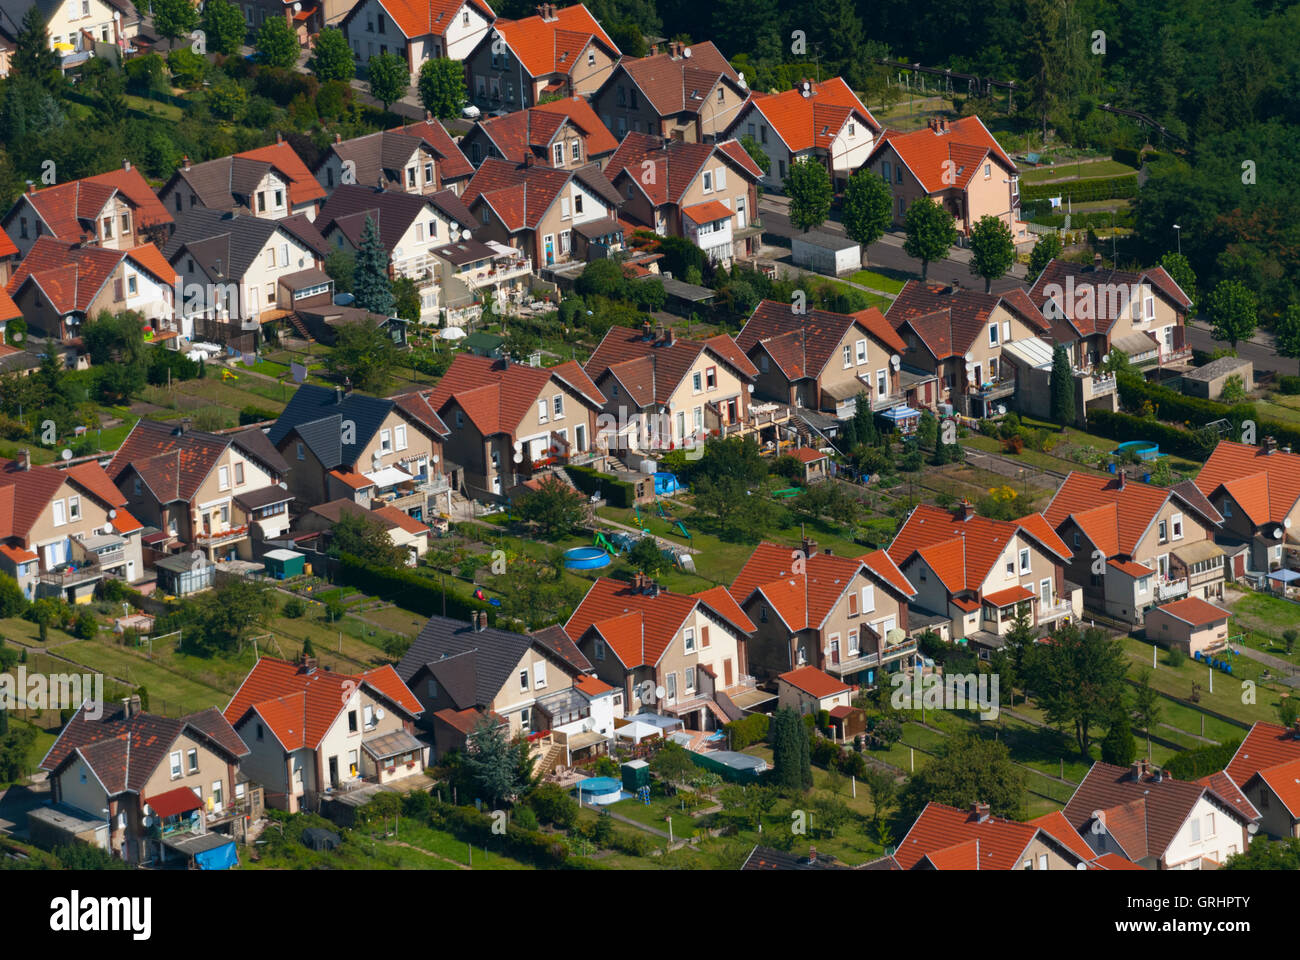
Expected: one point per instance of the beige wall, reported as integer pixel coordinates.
(723, 646)
(835, 373)
(514, 696)
(211, 768)
(803, 702)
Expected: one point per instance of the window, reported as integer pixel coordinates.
(1176, 521)
(708, 181)
(690, 679)
(882, 383)
(988, 170)
(762, 135)
(108, 228)
(523, 681)
(1011, 568)
(564, 208)
(176, 764)
(868, 599)
(898, 174)
(368, 716)
(137, 486)
(557, 406)
(697, 382)
(1209, 824)
(558, 152)
(223, 478)
(885, 170)
(74, 508)
(539, 675)
(591, 58)
(399, 435)
(848, 356)
(352, 721)
(993, 334)
(688, 638)
(1042, 861)
(1227, 509)
(600, 649)
(1024, 561)
(1196, 830)
(862, 351)
(192, 756)
(722, 178)
(385, 441)
(853, 604)
(671, 686)
(60, 518)
(1162, 529)
(302, 453)
(543, 411)
(132, 284)
(575, 153)
(566, 241)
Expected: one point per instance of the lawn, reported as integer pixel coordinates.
(171, 691)
(1082, 170)
(879, 281)
(1229, 696)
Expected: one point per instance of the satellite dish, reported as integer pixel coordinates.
(379, 713)
(895, 361)
(1287, 523)
(1105, 358)
(436, 458)
(1081, 866)
(112, 514)
(297, 8)
(826, 650)
(67, 454)
(659, 692)
(1277, 534)
(970, 358)
(686, 52)
(148, 821)
(397, 252)
(465, 235)
(283, 485)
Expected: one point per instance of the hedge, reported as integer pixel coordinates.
(470, 825)
(1288, 385)
(748, 730)
(1190, 764)
(1122, 187)
(408, 589)
(617, 493)
(1174, 406)
(1122, 427)
(1126, 156)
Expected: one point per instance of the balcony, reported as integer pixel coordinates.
(215, 538)
(1168, 589)
(995, 389)
(1054, 611)
(73, 576)
(886, 402)
(1102, 385)
(423, 269)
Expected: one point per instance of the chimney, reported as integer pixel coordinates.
(668, 336)
(930, 123)
(338, 138)
(133, 705)
(954, 286)
(185, 162)
(126, 708)
(652, 588)
(1269, 445)
(980, 811)
(338, 394)
(1119, 479)
(31, 186)
(279, 137)
(646, 330)
(808, 546)
(827, 551)
(654, 49)
(306, 664)
(1096, 261)
(126, 164)
(965, 510)
(1295, 729)
(428, 117)
(26, 457)
(659, 332)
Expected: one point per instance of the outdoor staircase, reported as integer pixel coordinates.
(296, 322)
(549, 760)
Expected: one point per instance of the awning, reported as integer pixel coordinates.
(1198, 552)
(388, 476)
(1284, 576)
(1005, 598)
(392, 745)
(173, 802)
(1135, 345)
(900, 413)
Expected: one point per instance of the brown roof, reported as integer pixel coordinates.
(497, 395)
(680, 84)
(26, 494)
(675, 164)
(385, 154)
(1085, 299)
(802, 344)
(949, 322)
(69, 209)
(651, 369)
(530, 132)
(174, 463)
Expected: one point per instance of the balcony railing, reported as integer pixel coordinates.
(888, 401)
(212, 538)
(1168, 589)
(995, 390)
(1053, 611)
(1102, 386)
(71, 577)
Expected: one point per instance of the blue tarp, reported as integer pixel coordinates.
(1285, 576)
(900, 413)
(221, 858)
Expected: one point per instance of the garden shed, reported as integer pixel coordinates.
(284, 564)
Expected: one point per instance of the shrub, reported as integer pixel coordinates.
(418, 593)
(293, 608)
(255, 415)
(748, 730)
(618, 493)
(1288, 385)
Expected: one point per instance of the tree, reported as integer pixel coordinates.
(363, 354)
(175, 18)
(365, 538)
(1047, 249)
(333, 58)
(1078, 679)
(672, 764)
(224, 26)
(370, 284)
(1118, 747)
(1176, 266)
(341, 265)
(389, 78)
(1062, 386)
(1287, 331)
(1233, 312)
(1146, 705)
(884, 798)
(756, 153)
(554, 506)
(406, 300)
(441, 85)
(930, 232)
(993, 250)
(830, 812)
(647, 557)
(227, 615)
(494, 763)
(809, 188)
(1261, 854)
(967, 769)
(868, 209)
(276, 44)
(12, 601)
(791, 763)
(34, 58)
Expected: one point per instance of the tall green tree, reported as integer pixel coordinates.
(276, 44)
(389, 78)
(993, 250)
(228, 615)
(931, 233)
(361, 536)
(792, 765)
(1287, 331)
(1146, 705)
(809, 188)
(1045, 251)
(441, 86)
(1233, 312)
(554, 506)
(1062, 386)
(333, 58)
(1078, 680)
(1177, 266)
(370, 284)
(968, 769)
(867, 209)
(1118, 747)
(223, 24)
(364, 354)
(495, 765)
(756, 153)
(33, 56)
(175, 18)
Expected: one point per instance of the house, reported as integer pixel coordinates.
(373, 451)
(1135, 544)
(974, 575)
(1148, 817)
(663, 393)
(949, 838)
(686, 92)
(823, 360)
(816, 609)
(62, 531)
(416, 32)
(1257, 491)
(218, 495)
(565, 134)
(416, 158)
(807, 690)
(683, 656)
(471, 270)
(60, 284)
(76, 27)
(304, 21)
(9, 257)
(149, 783)
(311, 731)
(955, 338)
(536, 209)
(508, 421)
(321, 320)
(410, 226)
(1094, 311)
(234, 269)
(537, 686)
(1266, 769)
(562, 52)
(116, 210)
(823, 121)
(683, 190)
(957, 164)
(404, 531)
(1194, 626)
(270, 182)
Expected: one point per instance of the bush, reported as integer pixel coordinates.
(617, 493)
(748, 730)
(85, 627)
(1288, 385)
(1122, 187)
(552, 805)
(1191, 764)
(1175, 657)
(255, 415)
(293, 608)
(416, 592)
(524, 817)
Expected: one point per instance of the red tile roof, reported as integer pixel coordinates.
(1059, 828)
(724, 604)
(1113, 861)
(1113, 514)
(706, 212)
(169, 803)
(1195, 611)
(1266, 745)
(627, 353)
(8, 309)
(592, 686)
(674, 163)
(496, 396)
(1265, 485)
(26, 494)
(454, 164)
(71, 276)
(638, 627)
(18, 554)
(804, 122)
(1005, 598)
(807, 455)
(419, 18)
(801, 345)
(949, 322)
(525, 132)
(300, 706)
(947, 159)
(941, 828)
(303, 187)
(520, 196)
(1222, 784)
(1135, 570)
(552, 46)
(1284, 780)
(123, 522)
(400, 519)
(814, 682)
(70, 210)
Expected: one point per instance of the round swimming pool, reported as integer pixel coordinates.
(585, 558)
(1145, 449)
(666, 483)
(599, 790)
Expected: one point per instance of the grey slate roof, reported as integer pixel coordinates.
(350, 204)
(495, 654)
(221, 244)
(317, 415)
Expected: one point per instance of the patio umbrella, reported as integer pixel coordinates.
(452, 333)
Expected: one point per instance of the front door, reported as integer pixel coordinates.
(726, 673)
(334, 771)
(835, 651)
